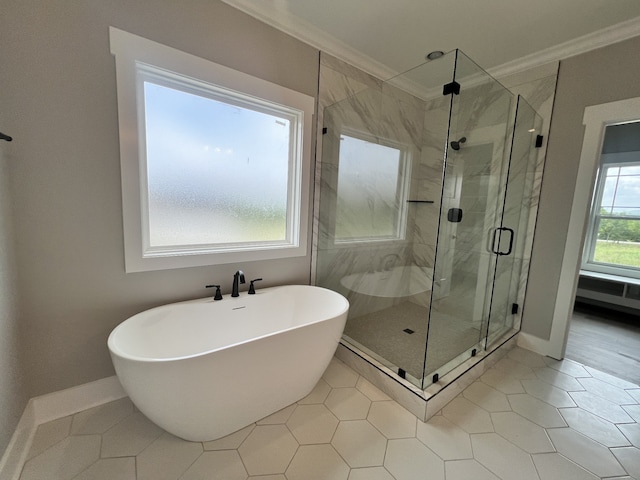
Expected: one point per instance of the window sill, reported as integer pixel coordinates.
(608, 276)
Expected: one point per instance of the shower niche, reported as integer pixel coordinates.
(425, 217)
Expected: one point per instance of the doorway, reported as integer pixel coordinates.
(596, 118)
(605, 339)
(604, 327)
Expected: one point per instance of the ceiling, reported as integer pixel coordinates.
(386, 37)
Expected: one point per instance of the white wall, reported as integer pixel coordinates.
(58, 99)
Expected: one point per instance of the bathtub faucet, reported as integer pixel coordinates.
(389, 261)
(238, 277)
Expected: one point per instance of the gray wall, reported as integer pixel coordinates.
(58, 98)
(12, 395)
(604, 75)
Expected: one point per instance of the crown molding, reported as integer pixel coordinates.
(592, 41)
(283, 20)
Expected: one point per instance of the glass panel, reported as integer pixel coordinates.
(625, 211)
(519, 193)
(631, 170)
(379, 211)
(618, 242)
(217, 173)
(464, 266)
(609, 190)
(621, 194)
(404, 157)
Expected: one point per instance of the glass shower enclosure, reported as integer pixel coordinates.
(423, 216)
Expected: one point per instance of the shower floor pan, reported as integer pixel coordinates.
(424, 403)
(398, 334)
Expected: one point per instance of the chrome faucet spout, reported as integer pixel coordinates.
(238, 278)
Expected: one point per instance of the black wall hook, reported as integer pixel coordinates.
(5, 137)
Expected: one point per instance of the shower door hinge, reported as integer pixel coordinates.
(514, 308)
(539, 139)
(324, 130)
(449, 88)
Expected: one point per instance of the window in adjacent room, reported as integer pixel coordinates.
(612, 244)
(215, 162)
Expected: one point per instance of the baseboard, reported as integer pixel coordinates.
(16, 452)
(49, 407)
(535, 344)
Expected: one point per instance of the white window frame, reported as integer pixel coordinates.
(591, 237)
(405, 174)
(136, 57)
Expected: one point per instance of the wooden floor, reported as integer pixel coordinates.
(606, 340)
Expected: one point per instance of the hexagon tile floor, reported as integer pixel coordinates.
(527, 418)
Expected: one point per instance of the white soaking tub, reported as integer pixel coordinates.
(203, 369)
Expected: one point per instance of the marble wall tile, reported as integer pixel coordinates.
(352, 100)
(338, 81)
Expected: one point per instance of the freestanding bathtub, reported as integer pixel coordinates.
(203, 369)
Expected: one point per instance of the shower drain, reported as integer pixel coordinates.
(408, 330)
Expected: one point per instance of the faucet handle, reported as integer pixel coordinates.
(252, 289)
(218, 295)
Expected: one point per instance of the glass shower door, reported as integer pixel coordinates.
(420, 214)
(511, 239)
(471, 208)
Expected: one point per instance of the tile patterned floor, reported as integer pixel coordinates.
(528, 417)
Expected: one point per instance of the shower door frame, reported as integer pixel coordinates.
(465, 120)
(520, 229)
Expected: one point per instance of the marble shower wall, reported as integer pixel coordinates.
(371, 108)
(426, 182)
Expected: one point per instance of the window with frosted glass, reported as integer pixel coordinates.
(218, 168)
(371, 200)
(215, 163)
